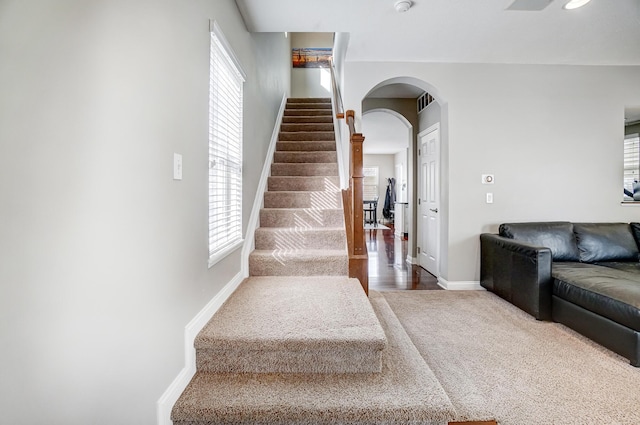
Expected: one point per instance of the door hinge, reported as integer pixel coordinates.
(418, 201)
(419, 152)
(418, 250)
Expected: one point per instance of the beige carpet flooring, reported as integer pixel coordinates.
(405, 392)
(491, 357)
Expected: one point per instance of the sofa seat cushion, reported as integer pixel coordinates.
(605, 242)
(627, 266)
(609, 292)
(557, 236)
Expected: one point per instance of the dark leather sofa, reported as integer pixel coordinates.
(583, 275)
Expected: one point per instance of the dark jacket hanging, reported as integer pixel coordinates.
(390, 198)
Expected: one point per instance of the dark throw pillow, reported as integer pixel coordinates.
(556, 235)
(605, 242)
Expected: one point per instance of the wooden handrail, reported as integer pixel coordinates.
(336, 93)
(353, 207)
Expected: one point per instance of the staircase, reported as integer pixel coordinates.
(299, 342)
(302, 224)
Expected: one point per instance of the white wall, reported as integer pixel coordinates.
(311, 82)
(400, 159)
(386, 169)
(104, 256)
(429, 116)
(550, 134)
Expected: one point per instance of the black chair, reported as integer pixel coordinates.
(370, 208)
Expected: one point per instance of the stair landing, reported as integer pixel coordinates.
(316, 324)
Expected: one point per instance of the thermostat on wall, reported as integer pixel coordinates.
(487, 179)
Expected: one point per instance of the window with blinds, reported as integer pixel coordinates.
(370, 183)
(225, 148)
(631, 162)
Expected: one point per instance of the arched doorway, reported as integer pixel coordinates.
(419, 106)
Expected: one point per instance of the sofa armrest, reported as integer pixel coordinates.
(518, 272)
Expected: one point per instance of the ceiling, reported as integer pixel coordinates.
(385, 133)
(604, 32)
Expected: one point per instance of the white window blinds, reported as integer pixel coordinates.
(631, 161)
(370, 183)
(225, 149)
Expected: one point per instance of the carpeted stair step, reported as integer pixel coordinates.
(305, 157)
(405, 392)
(293, 325)
(308, 112)
(301, 183)
(306, 146)
(306, 135)
(321, 119)
(303, 262)
(307, 127)
(332, 238)
(308, 105)
(292, 169)
(309, 200)
(301, 217)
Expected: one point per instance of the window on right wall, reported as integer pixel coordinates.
(631, 176)
(632, 167)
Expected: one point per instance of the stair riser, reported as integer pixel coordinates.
(304, 169)
(313, 361)
(306, 146)
(307, 112)
(307, 127)
(305, 157)
(307, 120)
(278, 264)
(306, 135)
(309, 100)
(315, 200)
(304, 218)
(303, 183)
(274, 238)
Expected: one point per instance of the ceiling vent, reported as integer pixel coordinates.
(423, 101)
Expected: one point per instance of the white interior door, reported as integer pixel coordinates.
(429, 199)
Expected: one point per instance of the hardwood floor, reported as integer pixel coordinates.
(388, 269)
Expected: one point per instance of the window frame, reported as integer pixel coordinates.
(631, 163)
(225, 186)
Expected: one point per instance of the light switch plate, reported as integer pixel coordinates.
(177, 166)
(488, 179)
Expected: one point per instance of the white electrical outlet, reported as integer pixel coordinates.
(489, 198)
(177, 166)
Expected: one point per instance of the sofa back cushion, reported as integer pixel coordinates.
(605, 242)
(557, 236)
(635, 228)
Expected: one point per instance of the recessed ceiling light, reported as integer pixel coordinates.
(574, 4)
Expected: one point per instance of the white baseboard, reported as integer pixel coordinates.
(170, 396)
(412, 260)
(258, 202)
(460, 285)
